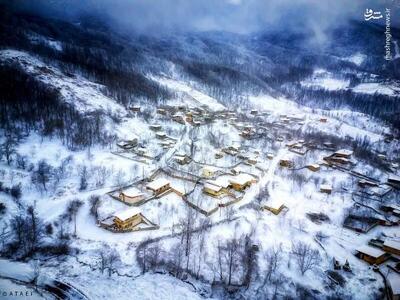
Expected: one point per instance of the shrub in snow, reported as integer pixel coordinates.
(2, 208)
(16, 192)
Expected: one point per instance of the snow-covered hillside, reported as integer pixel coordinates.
(222, 171)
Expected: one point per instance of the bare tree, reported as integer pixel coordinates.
(306, 257)
(72, 211)
(273, 257)
(27, 232)
(186, 226)
(41, 176)
(102, 260)
(113, 259)
(94, 201)
(8, 149)
(232, 257)
(83, 183)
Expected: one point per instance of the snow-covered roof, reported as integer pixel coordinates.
(344, 152)
(392, 244)
(212, 187)
(241, 178)
(126, 214)
(220, 181)
(275, 203)
(132, 192)
(158, 183)
(394, 178)
(394, 282)
(316, 166)
(371, 251)
(325, 187)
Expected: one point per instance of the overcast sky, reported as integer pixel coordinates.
(240, 16)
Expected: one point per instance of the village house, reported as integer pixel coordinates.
(241, 181)
(270, 156)
(394, 180)
(158, 186)
(343, 153)
(218, 155)
(371, 255)
(128, 219)
(161, 111)
(189, 117)
(391, 247)
(286, 162)
(166, 144)
(393, 209)
(135, 108)
(213, 190)
(161, 135)
(341, 157)
(275, 206)
(366, 183)
(252, 160)
(182, 159)
(313, 167)
(155, 127)
(323, 120)
(325, 188)
(178, 118)
(254, 112)
(328, 145)
(128, 144)
(382, 156)
(131, 195)
(141, 151)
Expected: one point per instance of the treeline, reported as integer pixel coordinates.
(383, 107)
(103, 57)
(27, 104)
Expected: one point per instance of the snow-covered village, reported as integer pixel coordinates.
(221, 161)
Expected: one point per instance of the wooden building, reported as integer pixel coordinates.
(371, 255)
(182, 159)
(155, 127)
(218, 155)
(158, 186)
(325, 188)
(131, 195)
(391, 247)
(161, 111)
(323, 120)
(161, 135)
(313, 167)
(286, 162)
(241, 181)
(343, 153)
(178, 118)
(135, 108)
(127, 144)
(275, 207)
(213, 190)
(394, 180)
(128, 219)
